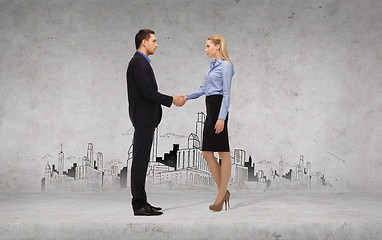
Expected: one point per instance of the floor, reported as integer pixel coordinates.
(253, 215)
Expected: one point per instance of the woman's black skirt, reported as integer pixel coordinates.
(212, 141)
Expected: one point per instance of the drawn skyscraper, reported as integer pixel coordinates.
(301, 163)
(308, 168)
(61, 162)
(239, 157)
(129, 162)
(260, 176)
(251, 169)
(100, 161)
(154, 148)
(281, 167)
(48, 174)
(193, 141)
(90, 154)
(200, 126)
(85, 161)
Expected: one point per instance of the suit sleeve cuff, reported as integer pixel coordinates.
(169, 101)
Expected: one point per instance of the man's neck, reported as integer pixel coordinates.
(142, 50)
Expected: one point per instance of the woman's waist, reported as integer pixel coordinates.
(214, 96)
(213, 91)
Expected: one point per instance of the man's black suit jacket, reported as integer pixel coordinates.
(144, 99)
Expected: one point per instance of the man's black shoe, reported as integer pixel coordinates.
(146, 211)
(154, 208)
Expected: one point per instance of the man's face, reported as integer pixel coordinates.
(150, 45)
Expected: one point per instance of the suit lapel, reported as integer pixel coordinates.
(151, 71)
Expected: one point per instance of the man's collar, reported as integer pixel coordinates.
(148, 59)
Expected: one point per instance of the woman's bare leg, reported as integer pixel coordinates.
(213, 165)
(225, 175)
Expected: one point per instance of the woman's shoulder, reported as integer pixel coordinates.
(227, 66)
(227, 63)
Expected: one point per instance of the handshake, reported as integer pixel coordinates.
(179, 100)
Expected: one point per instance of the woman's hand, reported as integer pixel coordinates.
(219, 126)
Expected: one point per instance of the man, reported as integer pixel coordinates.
(145, 113)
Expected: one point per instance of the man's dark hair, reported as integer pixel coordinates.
(142, 34)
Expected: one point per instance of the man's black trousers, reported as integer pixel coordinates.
(143, 139)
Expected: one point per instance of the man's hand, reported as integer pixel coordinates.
(179, 100)
(219, 126)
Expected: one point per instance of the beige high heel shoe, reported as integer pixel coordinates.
(226, 197)
(218, 207)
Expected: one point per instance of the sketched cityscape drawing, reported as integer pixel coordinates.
(181, 167)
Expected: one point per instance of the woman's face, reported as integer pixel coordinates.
(212, 49)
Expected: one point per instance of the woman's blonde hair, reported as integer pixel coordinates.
(219, 40)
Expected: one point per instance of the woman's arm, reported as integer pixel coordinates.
(227, 74)
(195, 94)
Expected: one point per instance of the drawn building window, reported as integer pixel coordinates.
(183, 158)
(188, 158)
(193, 158)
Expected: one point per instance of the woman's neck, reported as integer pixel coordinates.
(217, 56)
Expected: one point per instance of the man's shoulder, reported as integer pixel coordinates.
(138, 59)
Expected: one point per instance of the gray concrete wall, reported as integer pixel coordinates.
(307, 82)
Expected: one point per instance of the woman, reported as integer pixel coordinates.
(216, 87)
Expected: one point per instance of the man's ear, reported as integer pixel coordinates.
(144, 42)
